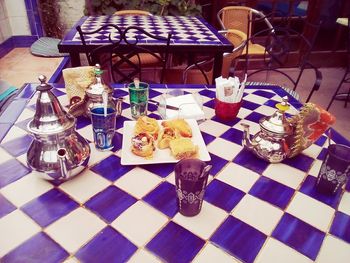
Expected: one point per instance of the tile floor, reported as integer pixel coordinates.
(19, 66)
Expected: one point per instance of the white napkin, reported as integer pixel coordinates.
(188, 108)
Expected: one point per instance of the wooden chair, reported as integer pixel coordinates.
(240, 18)
(122, 56)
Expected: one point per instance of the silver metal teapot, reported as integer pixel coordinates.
(271, 142)
(94, 97)
(57, 152)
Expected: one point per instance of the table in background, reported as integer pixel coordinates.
(253, 211)
(191, 35)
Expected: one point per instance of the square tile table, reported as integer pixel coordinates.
(189, 35)
(253, 211)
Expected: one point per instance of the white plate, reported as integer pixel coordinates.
(159, 156)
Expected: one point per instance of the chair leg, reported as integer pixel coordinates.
(347, 99)
(336, 91)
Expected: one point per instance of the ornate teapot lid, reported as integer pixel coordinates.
(98, 87)
(277, 123)
(49, 117)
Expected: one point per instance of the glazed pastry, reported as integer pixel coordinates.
(181, 125)
(142, 145)
(165, 136)
(147, 125)
(183, 148)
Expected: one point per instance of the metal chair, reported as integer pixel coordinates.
(122, 56)
(241, 18)
(283, 45)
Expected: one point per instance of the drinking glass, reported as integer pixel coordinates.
(103, 127)
(227, 111)
(138, 99)
(335, 169)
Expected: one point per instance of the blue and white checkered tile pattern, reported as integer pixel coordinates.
(184, 30)
(253, 211)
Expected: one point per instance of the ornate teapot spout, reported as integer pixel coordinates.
(247, 142)
(62, 159)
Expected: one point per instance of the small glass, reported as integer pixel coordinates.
(103, 127)
(335, 169)
(227, 111)
(138, 99)
(191, 178)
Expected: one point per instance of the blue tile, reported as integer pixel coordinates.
(154, 116)
(154, 93)
(162, 170)
(299, 235)
(18, 146)
(117, 142)
(152, 107)
(117, 93)
(341, 226)
(23, 124)
(11, 171)
(163, 198)
(209, 104)
(233, 135)
(322, 155)
(338, 138)
(271, 103)
(6, 206)
(208, 93)
(4, 128)
(27, 92)
(263, 93)
(110, 203)
(110, 168)
(347, 186)
(49, 207)
(175, 244)
(239, 239)
(217, 164)
(82, 122)
(227, 122)
(248, 160)
(320, 141)
(107, 246)
(308, 188)
(12, 112)
(254, 117)
(272, 192)
(40, 248)
(208, 138)
(250, 105)
(120, 122)
(223, 195)
(301, 162)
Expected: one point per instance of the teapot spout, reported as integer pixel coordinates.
(246, 141)
(62, 159)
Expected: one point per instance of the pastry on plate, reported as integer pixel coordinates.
(142, 145)
(183, 148)
(147, 125)
(165, 136)
(179, 124)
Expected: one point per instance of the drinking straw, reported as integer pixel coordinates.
(105, 101)
(136, 83)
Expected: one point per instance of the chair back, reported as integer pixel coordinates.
(122, 53)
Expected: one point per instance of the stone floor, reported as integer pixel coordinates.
(19, 66)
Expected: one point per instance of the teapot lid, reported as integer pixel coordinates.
(277, 123)
(98, 87)
(49, 117)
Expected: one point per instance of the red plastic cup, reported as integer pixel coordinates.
(227, 111)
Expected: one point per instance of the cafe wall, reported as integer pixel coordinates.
(13, 19)
(70, 12)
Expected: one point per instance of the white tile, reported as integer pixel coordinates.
(266, 110)
(334, 250)
(255, 98)
(4, 156)
(75, 229)
(15, 228)
(208, 112)
(311, 211)
(315, 169)
(86, 132)
(211, 253)
(13, 133)
(213, 127)
(257, 213)
(96, 156)
(19, 25)
(171, 178)
(253, 126)
(71, 260)
(224, 149)
(344, 205)
(313, 151)
(138, 182)
(143, 256)
(23, 159)
(140, 223)
(243, 112)
(205, 223)
(26, 189)
(238, 176)
(275, 251)
(26, 114)
(285, 174)
(85, 185)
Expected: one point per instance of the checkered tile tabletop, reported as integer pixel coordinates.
(253, 211)
(185, 30)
